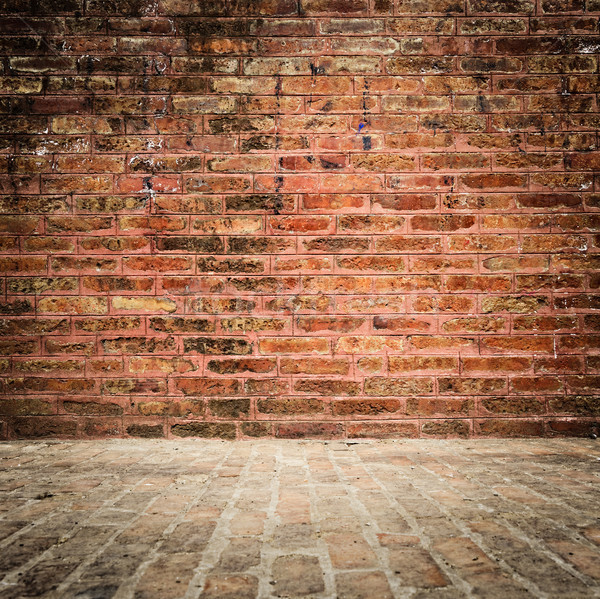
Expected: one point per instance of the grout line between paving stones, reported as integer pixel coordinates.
(531, 586)
(315, 517)
(221, 534)
(399, 591)
(418, 531)
(535, 543)
(369, 533)
(11, 578)
(74, 576)
(270, 551)
(126, 590)
(267, 553)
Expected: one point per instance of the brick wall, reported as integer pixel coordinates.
(299, 217)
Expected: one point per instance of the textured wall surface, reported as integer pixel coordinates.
(299, 217)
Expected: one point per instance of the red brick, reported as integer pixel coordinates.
(307, 365)
(481, 324)
(329, 387)
(530, 344)
(439, 407)
(383, 386)
(207, 386)
(474, 386)
(521, 384)
(401, 324)
(512, 406)
(290, 345)
(446, 428)
(407, 364)
(442, 303)
(441, 344)
(382, 430)
(499, 365)
(508, 428)
(310, 430)
(367, 344)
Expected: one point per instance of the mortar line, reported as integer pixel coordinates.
(266, 560)
(76, 573)
(13, 575)
(323, 552)
(127, 587)
(529, 585)
(532, 542)
(220, 537)
(398, 590)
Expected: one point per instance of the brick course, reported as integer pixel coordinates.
(325, 218)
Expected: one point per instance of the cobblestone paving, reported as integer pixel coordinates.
(237, 520)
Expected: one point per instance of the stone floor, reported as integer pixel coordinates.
(235, 520)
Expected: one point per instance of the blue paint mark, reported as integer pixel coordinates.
(360, 126)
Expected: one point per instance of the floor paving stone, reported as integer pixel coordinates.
(189, 519)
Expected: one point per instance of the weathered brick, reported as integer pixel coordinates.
(290, 406)
(306, 365)
(331, 387)
(383, 429)
(74, 305)
(205, 429)
(473, 386)
(138, 345)
(446, 428)
(245, 323)
(145, 386)
(144, 304)
(242, 365)
(524, 343)
(508, 427)
(266, 386)
(438, 407)
(40, 427)
(290, 345)
(17, 347)
(442, 303)
(400, 324)
(310, 430)
(158, 263)
(513, 405)
(518, 304)
(402, 364)
(383, 386)
(36, 285)
(441, 344)
(365, 407)
(229, 408)
(216, 345)
(219, 305)
(506, 364)
(108, 283)
(181, 324)
(575, 404)
(50, 385)
(368, 344)
(207, 386)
